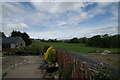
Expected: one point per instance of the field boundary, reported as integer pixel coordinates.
(83, 67)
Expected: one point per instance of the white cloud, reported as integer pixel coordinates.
(62, 33)
(60, 0)
(10, 9)
(58, 7)
(10, 27)
(78, 18)
(106, 30)
(83, 16)
(48, 14)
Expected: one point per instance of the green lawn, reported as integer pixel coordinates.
(73, 47)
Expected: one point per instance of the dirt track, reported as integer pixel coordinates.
(22, 67)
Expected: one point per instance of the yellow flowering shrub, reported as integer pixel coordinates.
(20, 48)
(50, 55)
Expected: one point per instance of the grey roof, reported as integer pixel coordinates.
(8, 40)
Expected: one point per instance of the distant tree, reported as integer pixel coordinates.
(95, 41)
(42, 40)
(3, 35)
(74, 40)
(83, 40)
(49, 40)
(55, 40)
(115, 40)
(26, 38)
(104, 41)
(105, 36)
(24, 35)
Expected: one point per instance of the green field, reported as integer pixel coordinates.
(73, 47)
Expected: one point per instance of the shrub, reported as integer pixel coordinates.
(20, 48)
(50, 55)
(5, 53)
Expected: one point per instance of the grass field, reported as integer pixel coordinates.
(111, 59)
(73, 47)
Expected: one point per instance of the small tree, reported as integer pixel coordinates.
(50, 55)
(3, 35)
(24, 36)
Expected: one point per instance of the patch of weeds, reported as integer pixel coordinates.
(104, 74)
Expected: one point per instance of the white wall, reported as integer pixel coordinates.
(17, 44)
(13, 45)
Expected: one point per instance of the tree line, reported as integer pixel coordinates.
(103, 41)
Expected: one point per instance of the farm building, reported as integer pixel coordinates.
(12, 42)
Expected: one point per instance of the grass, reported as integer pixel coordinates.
(73, 47)
(111, 59)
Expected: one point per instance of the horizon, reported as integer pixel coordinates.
(63, 38)
(61, 20)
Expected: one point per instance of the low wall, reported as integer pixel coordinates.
(72, 65)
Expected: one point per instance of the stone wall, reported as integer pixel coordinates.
(72, 65)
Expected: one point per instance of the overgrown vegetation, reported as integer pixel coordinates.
(105, 74)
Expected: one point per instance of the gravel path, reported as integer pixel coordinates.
(22, 67)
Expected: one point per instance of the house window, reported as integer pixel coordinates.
(21, 44)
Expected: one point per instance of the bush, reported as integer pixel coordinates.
(4, 53)
(50, 55)
(20, 49)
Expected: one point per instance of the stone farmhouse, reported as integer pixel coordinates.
(12, 42)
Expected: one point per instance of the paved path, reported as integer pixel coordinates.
(30, 70)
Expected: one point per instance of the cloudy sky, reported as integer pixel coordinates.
(61, 20)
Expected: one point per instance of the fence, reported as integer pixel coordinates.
(72, 65)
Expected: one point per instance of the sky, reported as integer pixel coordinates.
(60, 20)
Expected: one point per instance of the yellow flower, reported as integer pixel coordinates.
(50, 54)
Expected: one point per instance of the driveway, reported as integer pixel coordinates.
(28, 67)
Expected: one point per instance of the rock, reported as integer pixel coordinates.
(16, 65)
(106, 52)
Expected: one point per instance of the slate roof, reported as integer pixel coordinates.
(9, 40)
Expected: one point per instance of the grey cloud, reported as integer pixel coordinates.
(107, 30)
(9, 27)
